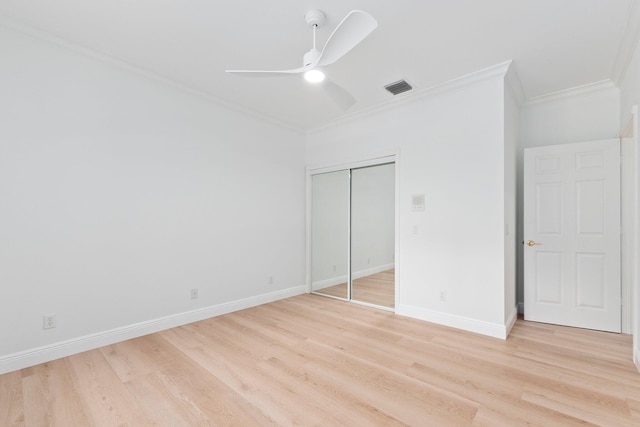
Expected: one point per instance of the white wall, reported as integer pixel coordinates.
(119, 194)
(451, 148)
(583, 116)
(630, 98)
(579, 117)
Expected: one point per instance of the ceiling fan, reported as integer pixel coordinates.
(354, 28)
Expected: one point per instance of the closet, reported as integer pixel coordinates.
(353, 234)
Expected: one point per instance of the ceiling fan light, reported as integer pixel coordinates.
(314, 76)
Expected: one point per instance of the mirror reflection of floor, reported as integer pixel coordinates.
(378, 289)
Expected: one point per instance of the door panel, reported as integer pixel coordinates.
(590, 208)
(590, 281)
(330, 233)
(373, 235)
(549, 275)
(572, 221)
(549, 206)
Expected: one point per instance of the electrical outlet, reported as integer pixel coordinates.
(443, 296)
(194, 293)
(49, 321)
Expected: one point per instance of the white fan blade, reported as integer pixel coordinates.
(354, 28)
(338, 94)
(273, 72)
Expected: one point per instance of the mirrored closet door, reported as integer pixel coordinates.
(373, 235)
(330, 234)
(353, 234)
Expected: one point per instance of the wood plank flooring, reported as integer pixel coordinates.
(315, 361)
(378, 289)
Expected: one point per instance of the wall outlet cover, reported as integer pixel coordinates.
(49, 321)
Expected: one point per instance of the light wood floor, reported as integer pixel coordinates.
(378, 289)
(310, 360)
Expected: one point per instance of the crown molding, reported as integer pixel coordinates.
(465, 80)
(44, 36)
(571, 92)
(628, 44)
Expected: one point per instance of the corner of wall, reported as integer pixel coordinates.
(627, 46)
(514, 85)
(511, 320)
(494, 330)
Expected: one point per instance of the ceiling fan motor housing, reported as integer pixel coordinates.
(315, 17)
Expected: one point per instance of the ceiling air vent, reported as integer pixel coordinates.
(398, 87)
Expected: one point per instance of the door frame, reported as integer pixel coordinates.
(629, 187)
(316, 170)
(631, 220)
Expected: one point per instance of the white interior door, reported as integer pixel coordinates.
(572, 235)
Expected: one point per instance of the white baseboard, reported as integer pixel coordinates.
(511, 320)
(35, 356)
(636, 358)
(477, 326)
(372, 270)
(328, 282)
(356, 275)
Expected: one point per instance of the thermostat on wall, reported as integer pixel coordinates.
(417, 202)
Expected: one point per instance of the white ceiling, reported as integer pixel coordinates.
(554, 44)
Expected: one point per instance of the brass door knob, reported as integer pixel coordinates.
(532, 243)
